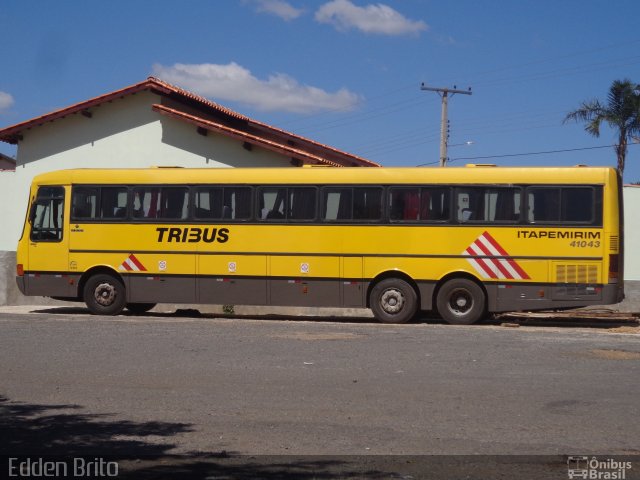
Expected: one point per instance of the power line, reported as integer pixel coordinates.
(563, 72)
(533, 153)
(553, 59)
(362, 100)
(358, 117)
(403, 145)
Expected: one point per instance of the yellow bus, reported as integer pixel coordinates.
(462, 242)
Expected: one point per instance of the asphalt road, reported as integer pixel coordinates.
(179, 390)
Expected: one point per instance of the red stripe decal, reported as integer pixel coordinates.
(496, 262)
(137, 263)
(503, 252)
(126, 266)
(481, 263)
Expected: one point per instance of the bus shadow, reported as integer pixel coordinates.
(596, 319)
(195, 313)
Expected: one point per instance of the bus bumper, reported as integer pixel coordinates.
(507, 298)
(21, 284)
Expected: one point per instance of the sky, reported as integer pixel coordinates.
(346, 73)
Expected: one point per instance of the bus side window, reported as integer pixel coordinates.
(208, 202)
(337, 203)
(113, 202)
(502, 204)
(228, 203)
(84, 202)
(543, 205)
(175, 203)
(427, 204)
(463, 205)
(566, 204)
(272, 202)
(577, 204)
(367, 203)
(237, 203)
(488, 204)
(47, 215)
(146, 202)
(434, 204)
(404, 204)
(302, 203)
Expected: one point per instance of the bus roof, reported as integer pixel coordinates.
(329, 175)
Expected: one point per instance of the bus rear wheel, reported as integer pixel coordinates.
(104, 294)
(393, 300)
(461, 302)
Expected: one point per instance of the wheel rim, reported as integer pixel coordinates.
(460, 301)
(105, 294)
(392, 301)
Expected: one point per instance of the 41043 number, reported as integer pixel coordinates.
(585, 243)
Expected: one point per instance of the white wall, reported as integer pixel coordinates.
(631, 233)
(123, 134)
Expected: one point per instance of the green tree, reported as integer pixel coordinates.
(621, 112)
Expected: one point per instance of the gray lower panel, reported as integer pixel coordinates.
(51, 284)
(146, 289)
(426, 295)
(319, 293)
(304, 293)
(232, 291)
(353, 294)
(241, 291)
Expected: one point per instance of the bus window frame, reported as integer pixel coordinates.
(161, 187)
(286, 219)
(34, 206)
(127, 218)
(596, 212)
(384, 217)
(192, 207)
(506, 223)
(321, 190)
(420, 188)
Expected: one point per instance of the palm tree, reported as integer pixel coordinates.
(621, 112)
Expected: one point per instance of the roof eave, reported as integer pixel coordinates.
(244, 136)
(12, 134)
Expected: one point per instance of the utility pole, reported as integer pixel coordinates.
(444, 136)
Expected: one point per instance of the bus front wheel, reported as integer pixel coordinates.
(460, 302)
(104, 295)
(393, 301)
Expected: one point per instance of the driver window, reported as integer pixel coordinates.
(47, 215)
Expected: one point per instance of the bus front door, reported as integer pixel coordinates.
(47, 270)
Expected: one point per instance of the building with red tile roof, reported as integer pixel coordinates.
(150, 123)
(206, 116)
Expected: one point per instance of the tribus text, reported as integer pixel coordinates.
(192, 234)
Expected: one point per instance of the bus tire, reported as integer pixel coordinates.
(139, 308)
(461, 302)
(393, 300)
(104, 294)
